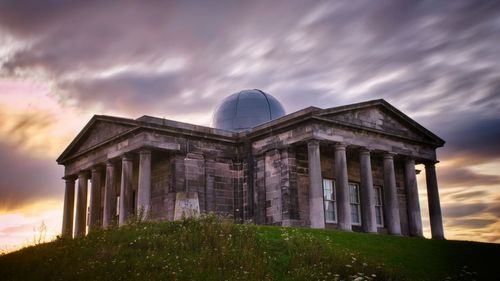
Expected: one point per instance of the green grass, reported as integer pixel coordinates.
(212, 249)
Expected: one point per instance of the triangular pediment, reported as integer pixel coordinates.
(97, 131)
(100, 132)
(382, 117)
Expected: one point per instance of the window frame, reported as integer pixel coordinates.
(357, 204)
(333, 201)
(378, 191)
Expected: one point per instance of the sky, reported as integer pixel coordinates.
(63, 61)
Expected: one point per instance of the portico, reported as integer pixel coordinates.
(367, 193)
(350, 167)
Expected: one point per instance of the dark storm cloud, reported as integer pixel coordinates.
(24, 178)
(464, 177)
(482, 135)
(472, 223)
(134, 93)
(471, 139)
(467, 195)
(494, 209)
(463, 210)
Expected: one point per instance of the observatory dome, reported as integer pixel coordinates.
(245, 110)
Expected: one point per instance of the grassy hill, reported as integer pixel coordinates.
(211, 249)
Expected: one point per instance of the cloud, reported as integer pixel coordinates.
(470, 135)
(32, 130)
(472, 223)
(468, 195)
(494, 209)
(452, 177)
(463, 210)
(21, 128)
(25, 178)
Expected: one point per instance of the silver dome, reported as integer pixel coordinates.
(245, 110)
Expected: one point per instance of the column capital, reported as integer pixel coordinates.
(144, 151)
(313, 142)
(110, 163)
(409, 158)
(70, 177)
(430, 163)
(389, 155)
(364, 151)
(340, 146)
(95, 169)
(83, 174)
(126, 157)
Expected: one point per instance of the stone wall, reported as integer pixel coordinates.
(272, 173)
(289, 188)
(260, 189)
(224, 189)
(213, 179)
(161, 186)
(303, 183)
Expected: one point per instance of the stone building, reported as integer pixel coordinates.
(350, 167)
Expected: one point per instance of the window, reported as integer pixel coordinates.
(355, 204)
(379, 215)
(329, 200)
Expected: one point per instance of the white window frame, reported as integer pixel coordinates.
(356, 204)
(379, 204)
(333, 200)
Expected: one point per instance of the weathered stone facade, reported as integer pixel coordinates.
(272, 174)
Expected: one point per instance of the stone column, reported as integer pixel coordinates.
(433, 198)
(126, 190)
(144, 189)
(69, 204)
(342, 188)
(391, 196)
(367, 195)
(413, 205)
(95, 200)
(316, 205)
(109, 196)
(81, 205)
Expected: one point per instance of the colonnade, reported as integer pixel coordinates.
(392, 219)
(316, 204)
(107, 219)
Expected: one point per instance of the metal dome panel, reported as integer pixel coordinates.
(245, 110)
